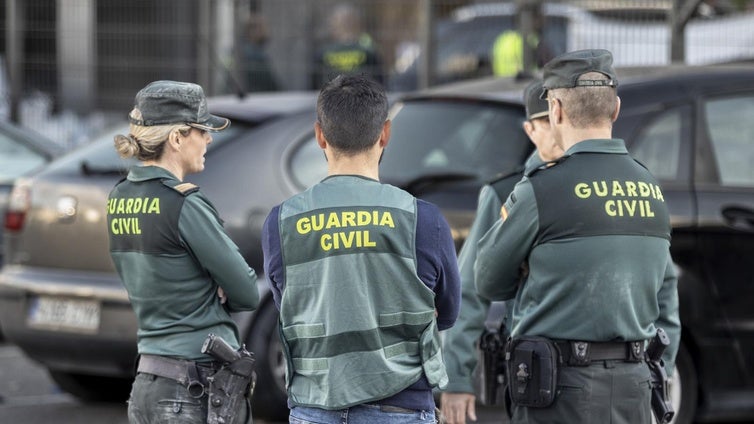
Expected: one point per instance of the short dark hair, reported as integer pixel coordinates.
(351, 111)
(589, 106)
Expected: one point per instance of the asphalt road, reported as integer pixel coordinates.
(28, 396)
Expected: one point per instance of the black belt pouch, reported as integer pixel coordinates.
(532, 371)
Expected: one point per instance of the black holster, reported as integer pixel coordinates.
(662, 407)
(230, 390)
(492, 371)
(532, 364)
(231, 387)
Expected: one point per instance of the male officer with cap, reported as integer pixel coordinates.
(458, 400)
(595, 231)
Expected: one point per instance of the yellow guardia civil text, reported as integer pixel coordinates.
(132, 207)
(350, 225)
(622, 198)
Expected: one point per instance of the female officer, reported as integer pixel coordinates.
(183, 274)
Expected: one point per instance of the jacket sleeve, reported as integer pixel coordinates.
(505, 247)
(273, 255)
(202, 231)
(436, 262)
(669, 319)
(459, 342)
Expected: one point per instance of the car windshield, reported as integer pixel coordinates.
(472, 140)
(434, 141)
(17, 159)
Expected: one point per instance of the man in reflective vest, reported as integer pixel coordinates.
(364, 275)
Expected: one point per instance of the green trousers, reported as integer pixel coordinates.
(608, 392)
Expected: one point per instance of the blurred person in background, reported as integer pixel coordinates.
(183, 274)
(507, 55)
(349, 51)
(255, 65)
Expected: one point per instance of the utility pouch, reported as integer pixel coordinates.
(532, 364)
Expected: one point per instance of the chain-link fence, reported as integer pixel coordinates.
(69, 66)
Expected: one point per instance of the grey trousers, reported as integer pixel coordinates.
(613, 392)
(162, 400)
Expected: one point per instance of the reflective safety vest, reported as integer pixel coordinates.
(508, 53)
(356, 321)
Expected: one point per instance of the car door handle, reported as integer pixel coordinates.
(739, 217)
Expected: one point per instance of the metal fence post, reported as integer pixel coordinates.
(528, 11)
(679, 17)
(427, 44)
(203, 57)
(77, 55)
(14, 43)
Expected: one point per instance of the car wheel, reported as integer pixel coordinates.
(270, 398)
(93, 388)
(683, 388)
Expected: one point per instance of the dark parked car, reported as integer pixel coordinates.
(689, 126)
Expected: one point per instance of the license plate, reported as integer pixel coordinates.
(75, 315)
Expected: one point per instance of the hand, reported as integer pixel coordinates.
(456, 406)
(221, 295)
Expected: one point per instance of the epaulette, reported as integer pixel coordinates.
(641, 164)
(181, 187)
(503, 183)
(546, 165)
(506, 174)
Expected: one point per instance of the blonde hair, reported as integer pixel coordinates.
(146, 143)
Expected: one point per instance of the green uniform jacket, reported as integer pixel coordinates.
(460, 341)
(595, 231)
(172, 253)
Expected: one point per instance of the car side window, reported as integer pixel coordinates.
(308, 165)
(731, 132)
(658, 144)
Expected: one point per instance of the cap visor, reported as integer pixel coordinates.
(214, 123)
(539, 115)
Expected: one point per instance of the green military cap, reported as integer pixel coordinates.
(564, 71)
(536, 107)
(172, 102)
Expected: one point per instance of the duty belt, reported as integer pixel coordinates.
(192, 375)
(580, 353)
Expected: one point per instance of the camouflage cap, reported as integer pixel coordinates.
(536, 107)
(564, 70)
(173, 102)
